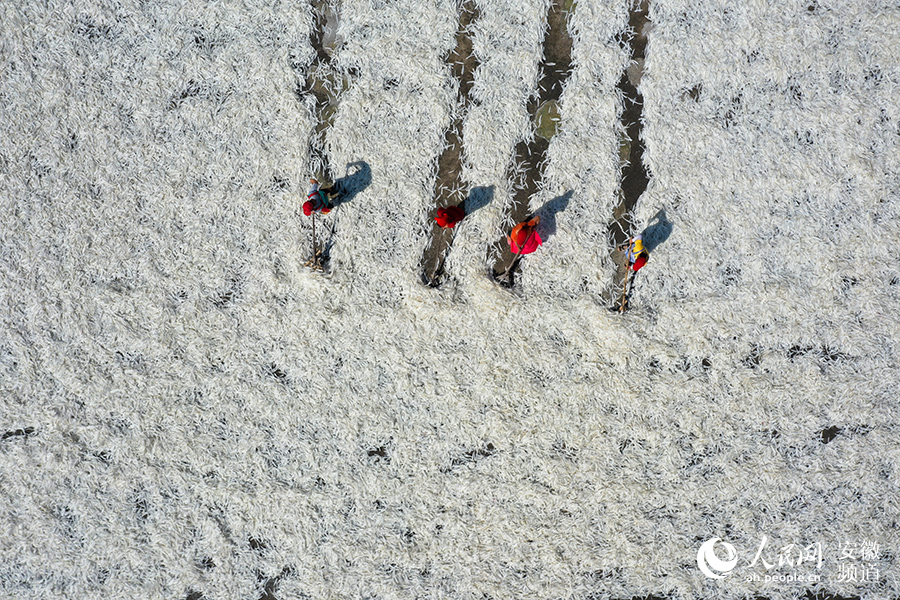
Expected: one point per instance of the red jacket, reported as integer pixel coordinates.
(317, 202)
(450, 216)
(640, 261)
(524, 238)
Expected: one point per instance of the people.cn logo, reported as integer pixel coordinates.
(711, 565)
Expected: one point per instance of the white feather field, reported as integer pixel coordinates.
(189, 412)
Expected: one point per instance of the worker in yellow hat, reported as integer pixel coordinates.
(636, 256)
(635, 253)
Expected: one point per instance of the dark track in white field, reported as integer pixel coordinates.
(450, 189)
(634, 177)
(526, 171)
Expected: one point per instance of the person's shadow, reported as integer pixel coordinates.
(357, 178)
(657, 232)
(548, 212)
(479, 197)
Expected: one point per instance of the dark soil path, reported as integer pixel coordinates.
(634, 177)
(324, 83)
(526, 172)
(449, 187)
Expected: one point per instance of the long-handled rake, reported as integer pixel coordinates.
(316, 261)
(623, 305)
(506, 278)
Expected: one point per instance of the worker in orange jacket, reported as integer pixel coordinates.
(524, 238)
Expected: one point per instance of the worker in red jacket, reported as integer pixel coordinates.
(317, 200)
(448, 217)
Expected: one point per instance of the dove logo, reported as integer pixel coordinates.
(710, 564)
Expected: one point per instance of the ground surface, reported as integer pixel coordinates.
(188, 411)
